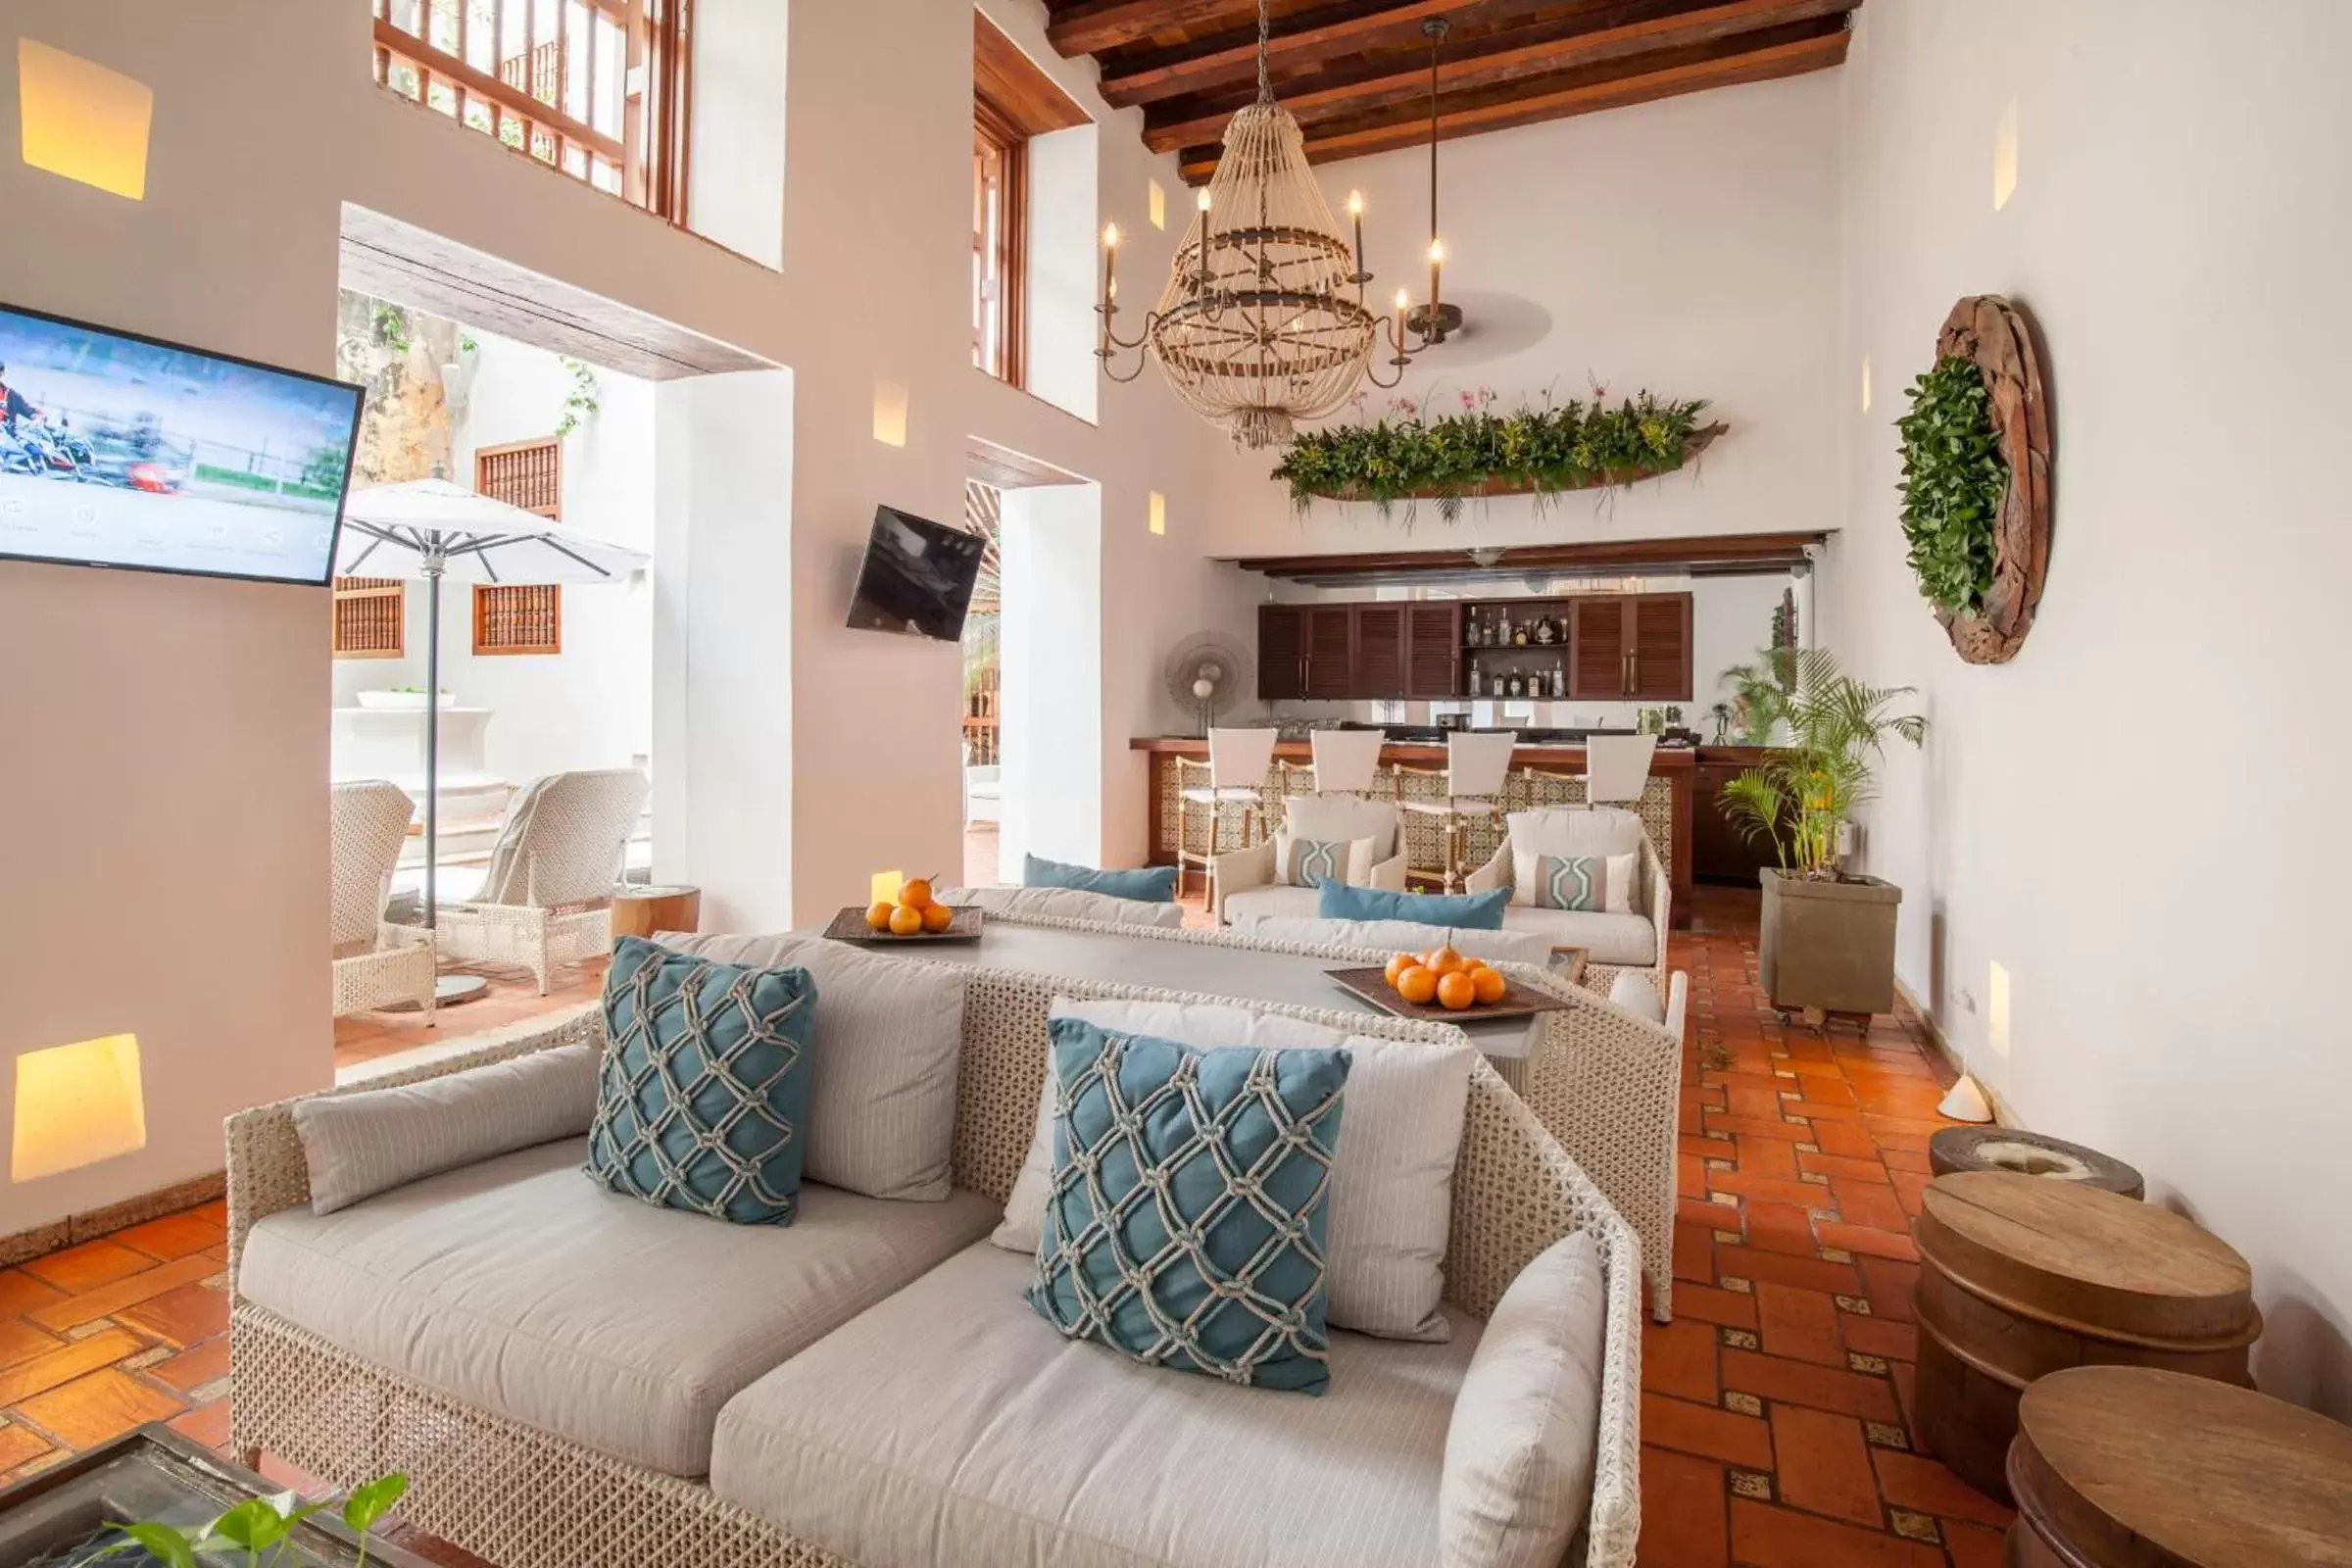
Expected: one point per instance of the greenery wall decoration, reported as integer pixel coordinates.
(1543, 451)
(1953, 482)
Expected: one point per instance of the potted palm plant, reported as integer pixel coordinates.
(1829, 938)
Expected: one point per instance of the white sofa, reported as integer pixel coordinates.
(572, 1377)
(1249, 885)
(1635, 939)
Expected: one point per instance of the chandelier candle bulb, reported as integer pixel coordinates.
(1355, 215)
(1207, 225)
(1437, 266)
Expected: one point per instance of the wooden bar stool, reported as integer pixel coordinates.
(1475, 768)
(1239, 760)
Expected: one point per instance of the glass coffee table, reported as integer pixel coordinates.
(59, 1518)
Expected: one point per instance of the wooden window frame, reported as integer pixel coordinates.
(350, 590)
(654, 153)
(485, 459)
(996, 130)
(489, 599)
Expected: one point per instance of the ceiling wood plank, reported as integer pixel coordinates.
(1377, 80)
(1100, 24)
(1018, 86)
(1331, 142)
(1146, 77)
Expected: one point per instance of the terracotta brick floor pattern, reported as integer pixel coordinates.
(1775, 1411)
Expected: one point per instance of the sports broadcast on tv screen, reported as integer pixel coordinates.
(117, 451)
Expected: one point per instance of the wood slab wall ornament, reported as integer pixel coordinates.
(1988, 330)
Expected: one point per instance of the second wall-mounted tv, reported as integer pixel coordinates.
(917, 577)
(117, 450)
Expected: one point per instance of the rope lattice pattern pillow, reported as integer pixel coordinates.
(703, 1098)
(1186, 1221)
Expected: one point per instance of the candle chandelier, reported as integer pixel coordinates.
(1264, 321)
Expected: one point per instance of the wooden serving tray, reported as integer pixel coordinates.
(849, 926)
(1372, 984)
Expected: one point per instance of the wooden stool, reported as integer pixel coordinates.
(2130, 1467)
(2020, 1277)
(1959, 1148)
(640, 912)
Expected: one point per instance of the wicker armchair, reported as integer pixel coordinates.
(377, 964)
(548, 898)
(1653, 899)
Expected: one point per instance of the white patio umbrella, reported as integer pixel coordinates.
(432, 528)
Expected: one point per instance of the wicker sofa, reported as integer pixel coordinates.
(508, 1461)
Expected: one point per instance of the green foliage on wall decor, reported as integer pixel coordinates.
(1546, 451)
(1953, 484)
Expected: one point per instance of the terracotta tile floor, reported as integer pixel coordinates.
(513, 996)
(1776, 1413)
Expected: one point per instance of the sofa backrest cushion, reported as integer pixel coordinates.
(1303, 863)
(1402, 936)
(1520, 1449)
(1391, 1204)
(372, 1140)
(1569, 833)
(1151, 884)
(1063, 904)
(1471, 911)
(884, 1048)
(1345, 818)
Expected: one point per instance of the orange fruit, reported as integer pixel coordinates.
(1456, 991)
(1489, 985)
(915, 895)
(878, 916)
(938, 918)
(905, 920)
(1399, 964)
(1442, 962)
(1417, 986)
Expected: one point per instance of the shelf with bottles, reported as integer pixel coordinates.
(1515, 681)
(1515, 625)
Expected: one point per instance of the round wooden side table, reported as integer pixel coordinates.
(2131, 1467)
(640, 912)
(2020, 1277)
(1958, 1148)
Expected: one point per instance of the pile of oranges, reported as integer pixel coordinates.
(1445, 977)
(915, 913)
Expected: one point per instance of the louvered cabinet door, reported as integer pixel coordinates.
(1597, 651)
(1432, 650)
(1380, 652)
(1330, 650)
(1281, 652)
(1658, 667)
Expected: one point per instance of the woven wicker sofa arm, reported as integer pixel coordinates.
(1495, 873)
(266, 1170)
(1238, 871)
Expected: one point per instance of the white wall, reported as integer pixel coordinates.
(1053, 659)
(2178, 230)
(1688, 246)
(735, 180)
(590, 705)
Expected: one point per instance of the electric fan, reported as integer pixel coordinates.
(1206, 673)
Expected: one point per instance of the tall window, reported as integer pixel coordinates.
(597, 88)
(520, 618)
(1000, 220)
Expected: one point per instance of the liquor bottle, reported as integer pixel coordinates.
(1503, 629)
(1519, 635)
(1475, 687)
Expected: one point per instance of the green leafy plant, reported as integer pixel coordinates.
(391, 325)
(1548, 450)
(1799, 799)
(581, 403)
(1762, 690)
(256, 1525)
(1953, 483)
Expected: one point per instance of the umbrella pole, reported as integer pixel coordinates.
(432, 732)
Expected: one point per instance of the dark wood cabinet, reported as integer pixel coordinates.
(1381, 652)
(1330, 652)
(1596, 648)
(1432, 650)
(1630, 647)
(1281, 652)
(1720, 851)
(1618, 647)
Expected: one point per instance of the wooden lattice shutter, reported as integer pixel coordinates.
(371, 617)
(527, 473)
(520, 618)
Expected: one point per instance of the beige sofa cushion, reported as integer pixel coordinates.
(882, 1060)
(1605, 938)
(1392, 1183)
(1405, 936)
(1341, 818)
(1519, 1456)
(523, 1288)
(360, 1144)
(1066, 904)
(951, 1426)
(1602, 832)
(1251, 905)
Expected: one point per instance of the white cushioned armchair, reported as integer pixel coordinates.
(376, 963)
(548, 898)
(1634, 938)
(1250, 884)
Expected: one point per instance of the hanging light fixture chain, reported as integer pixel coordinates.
(1265, 50)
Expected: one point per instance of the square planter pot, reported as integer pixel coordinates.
(1828, 944)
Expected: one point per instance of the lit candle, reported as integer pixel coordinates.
(1208, 227)
(1355, 210)
(1405, 303)
(1110, 285)
(1437, 263)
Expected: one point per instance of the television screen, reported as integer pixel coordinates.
(917, 577)
(122, 450)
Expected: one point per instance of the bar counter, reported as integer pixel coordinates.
(1665, 806)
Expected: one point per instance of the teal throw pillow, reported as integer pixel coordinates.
(1185, 1224)
(1150, 884)
(1466, 911)
(702, 1096)
(1574, 882)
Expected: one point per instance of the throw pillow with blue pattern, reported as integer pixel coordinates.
(1187, 1219)
(703, 1098)
(1313, 862)
(1575, 882)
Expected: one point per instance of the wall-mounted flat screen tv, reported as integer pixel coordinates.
(917, 577)
(122, 450)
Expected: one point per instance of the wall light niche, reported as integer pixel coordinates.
(76, 1104)
(1160, 206)
(890, 414)
(82, 121)
(1160, 512)
(1865, 384)
(2005, 156)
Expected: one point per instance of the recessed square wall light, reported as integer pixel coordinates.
(890, 414)
(1865, 384)
(1160, 512)
(82, 121)
(76, 1104)
(2005, 156)
(1996, 1008)
(1160, 206)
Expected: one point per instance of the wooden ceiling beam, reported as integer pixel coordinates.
(1094, 25)
(1150, 75)
(1702, 553)
(1332, 141)
(1390, 80)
